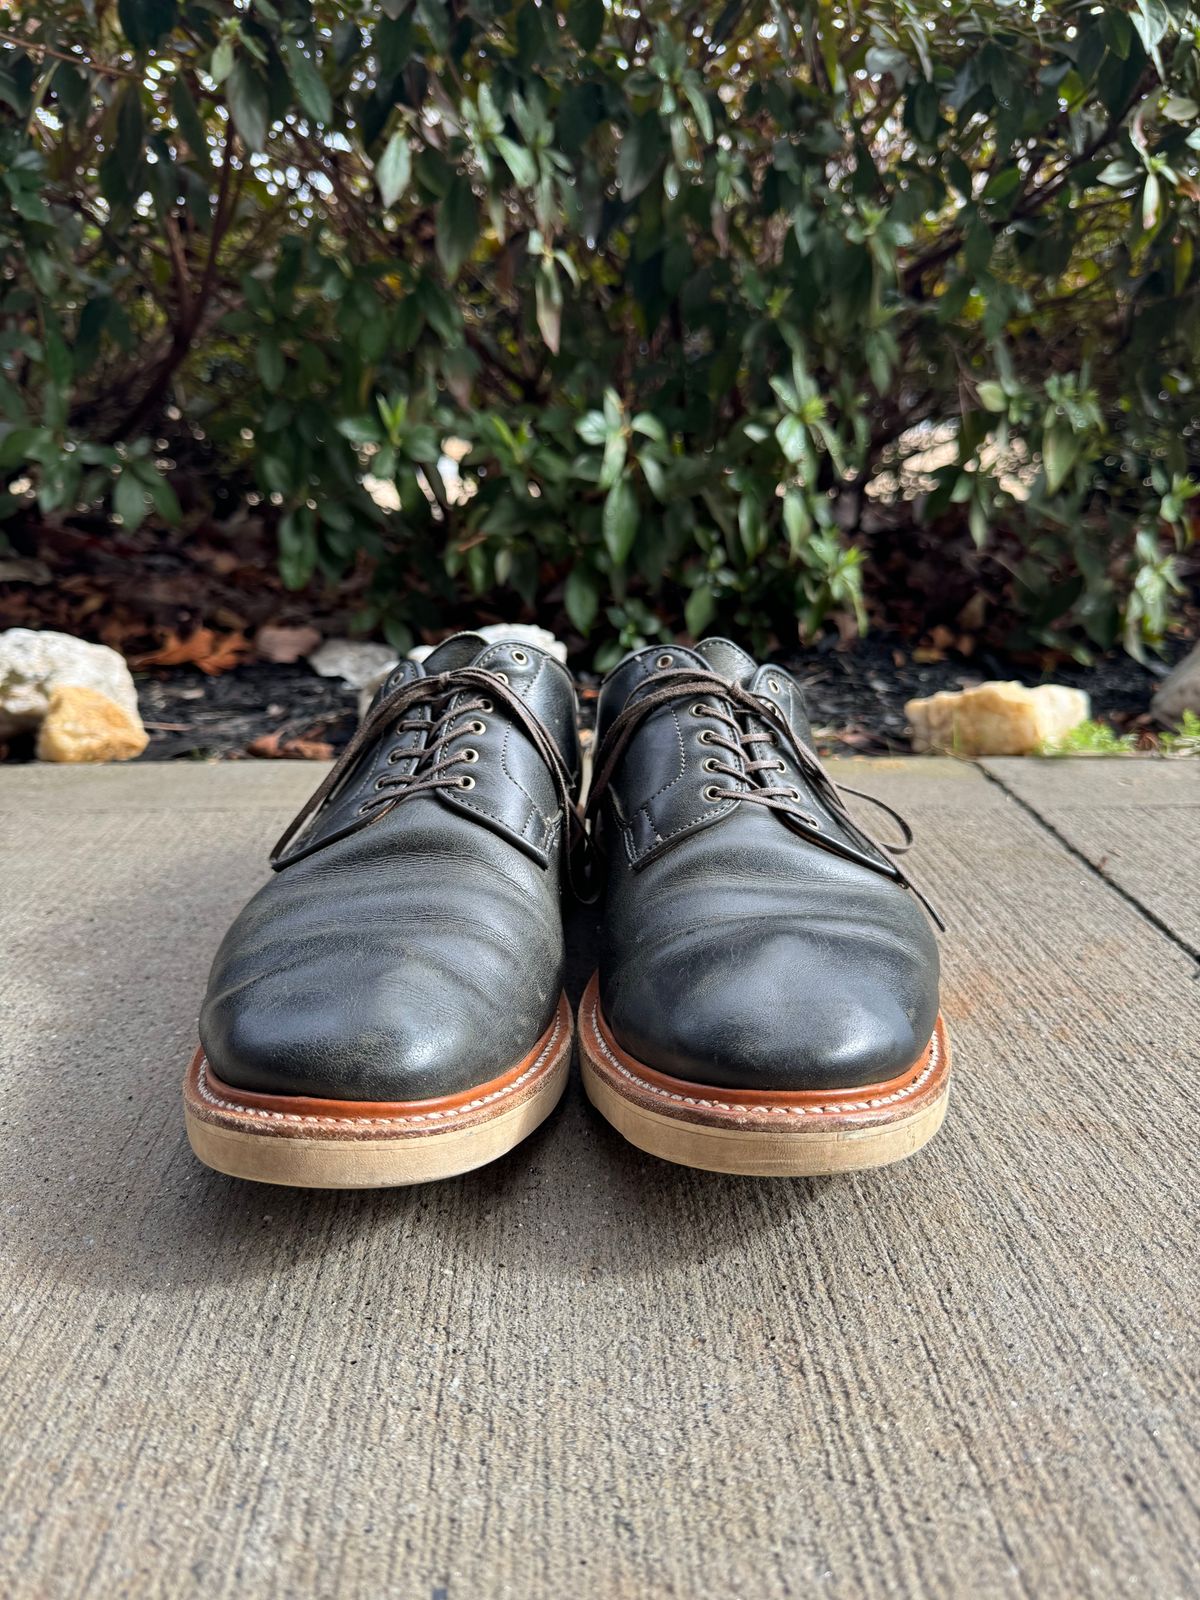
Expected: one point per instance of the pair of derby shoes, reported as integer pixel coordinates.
(389, 1008)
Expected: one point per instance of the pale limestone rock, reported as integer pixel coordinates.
(84, 725)
(995, 719)
(1179, 691)
(357, 662)
(518, 632)
(33, 664)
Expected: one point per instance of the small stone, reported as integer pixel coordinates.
(34, 663)
(284, 645)
(356, 662)
(84, 725)
(1179, 691)
(995, 719)
(516, 632)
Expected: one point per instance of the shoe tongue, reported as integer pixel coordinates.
(727, 661)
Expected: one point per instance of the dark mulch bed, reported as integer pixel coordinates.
(855, 693)
(190, 714)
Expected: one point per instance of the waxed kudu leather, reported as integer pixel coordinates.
(735, 952)
(416, 951)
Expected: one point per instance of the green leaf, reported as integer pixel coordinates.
(1119, 173)
(129, 500)
(518, 160)
(435, 17)
(360, 430)
(797, 521)
(222, 62)
(190, 125)
(1152, 20)
(581, 597)
(619, 521)
(146, 21)
(700, 108)
(394, 169)
(166, 503)
(247, 96)
(992, 396)
(549, 305)
(1151, 203)
(793, 438)
(1059, 451)
(311, 89)
(700, 609)
(642, 151)
(585, 18)
(269, 360)
(457, 226)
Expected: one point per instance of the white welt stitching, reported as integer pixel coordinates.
(835, 1106)
(212, 1099)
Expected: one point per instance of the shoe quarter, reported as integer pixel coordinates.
(513, 791)
(658, 795)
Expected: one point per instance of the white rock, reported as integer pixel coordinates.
(1179, 691)
(995, 719)
(33, 664)
(355, 661)
(522, 632)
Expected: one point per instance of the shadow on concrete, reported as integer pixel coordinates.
(114, 1194)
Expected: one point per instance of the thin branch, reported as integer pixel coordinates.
(42, 51)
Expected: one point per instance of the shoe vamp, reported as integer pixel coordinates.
(423, 947)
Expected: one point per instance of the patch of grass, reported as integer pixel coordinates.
(1088, 739)
(1186, 742)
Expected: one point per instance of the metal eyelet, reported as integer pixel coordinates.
(485, 705)
(503, 676)
(665, 660)
(710, 764)
(520, 657)
(466, 781)
(398, 754)
(713, 791)
(477, 726)
(469, 755)
(780, 766)
(700, 710)
(707, 736)
(773, 685)
(382, 781)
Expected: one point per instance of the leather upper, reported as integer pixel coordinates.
(411, 944)
(736, 951)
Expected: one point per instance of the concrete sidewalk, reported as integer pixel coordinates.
(582, 1372)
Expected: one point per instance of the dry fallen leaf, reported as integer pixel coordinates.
(274, 747)
(213, 653)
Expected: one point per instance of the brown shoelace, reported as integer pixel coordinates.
(738, 734)
(432, 760)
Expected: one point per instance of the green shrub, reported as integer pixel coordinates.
(693, 288)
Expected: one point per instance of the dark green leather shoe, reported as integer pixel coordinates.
(767, 995)
(389, 1007)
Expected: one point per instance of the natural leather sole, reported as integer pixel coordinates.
(358, 1144)
(762, 1134)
